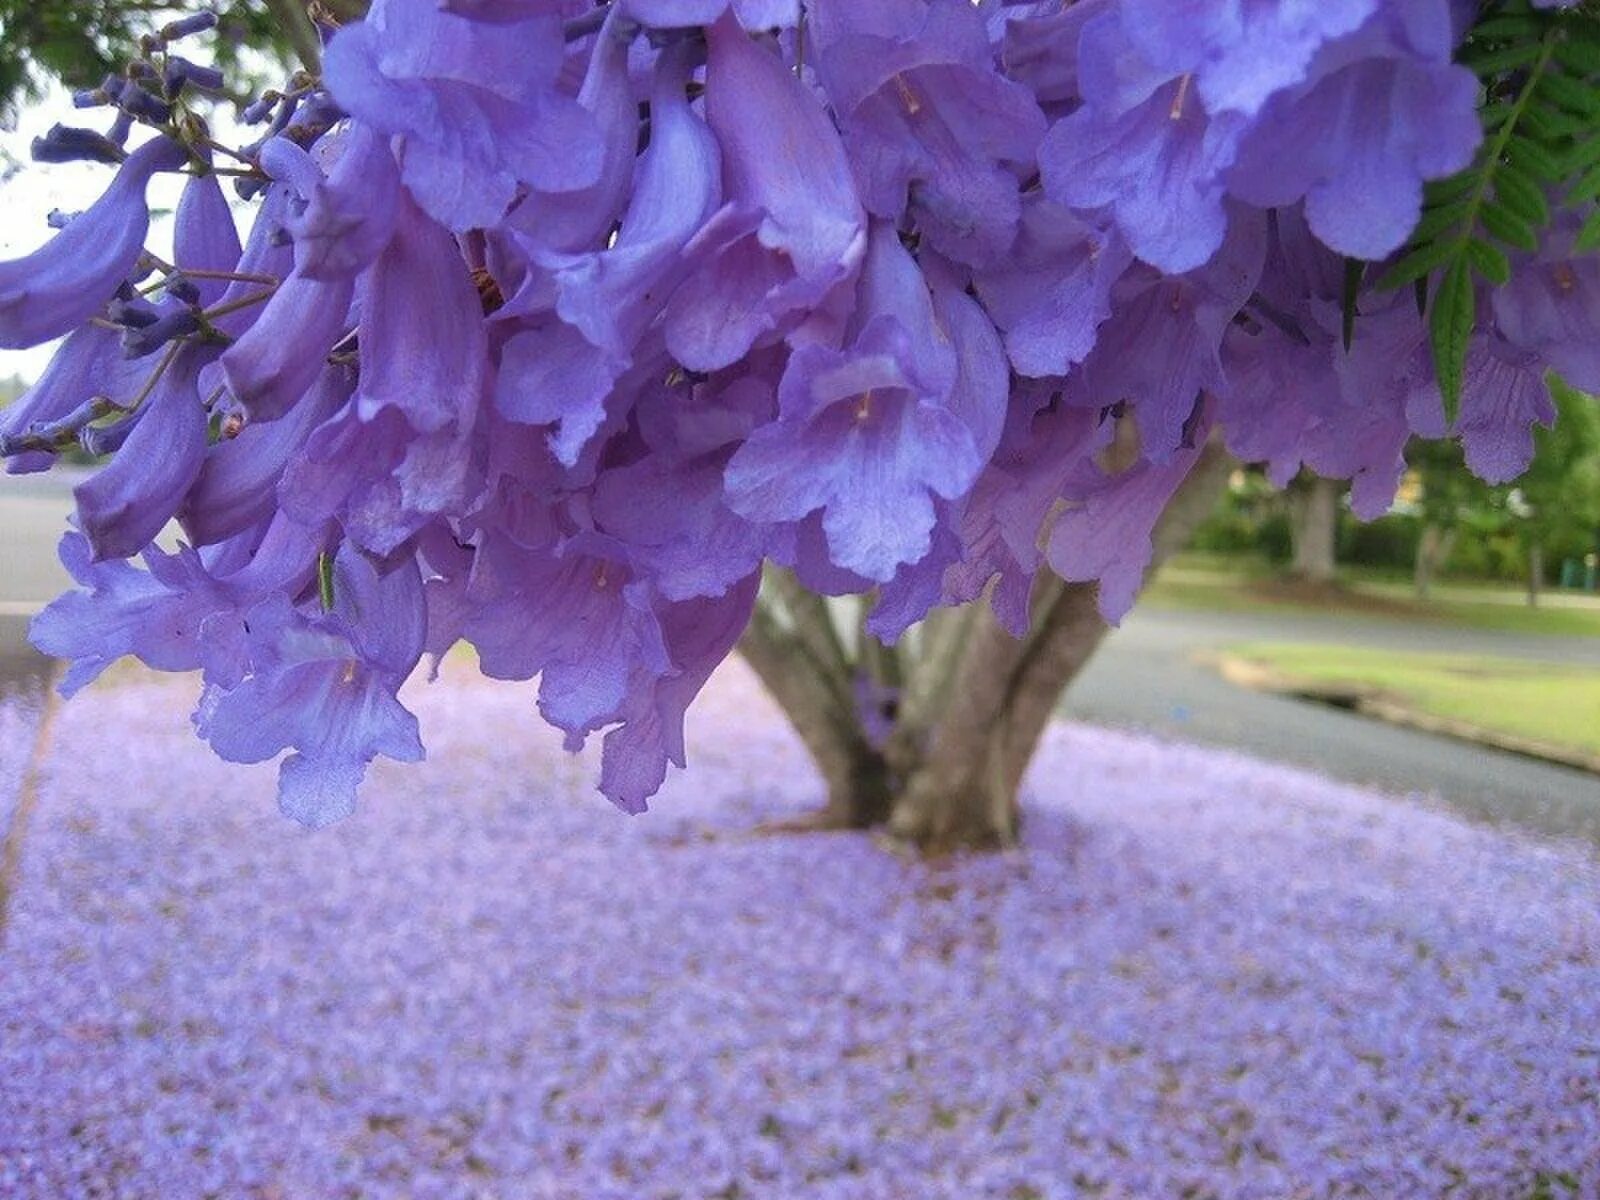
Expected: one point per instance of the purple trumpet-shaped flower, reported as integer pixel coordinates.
(669, 506)
(424, 347)
(754, 15)
(473, 106)
(928, 120)
(918, 588)
(794, 231)
(1039, 49)
(346, 216)
(1049, 446)
(205, 238)
(865, 435)
(159, 615)
(1386, 394)
(279, 357)
(1372, 123)
(563, 369)
(1551, 306)
(340, 223)
(1053, 292)
(1240, 52)
(122, 506)
(379, 478)
(1106, 534)
(577, 615)
(1143, 146)
(237, 486)
(1504, 395)
(697, 635)
(323, 684)
(71, 277)
(1161, 348)
(89, 363)
(577, 220)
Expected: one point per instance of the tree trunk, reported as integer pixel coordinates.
(792, 646)
(1535, 573)
(1314, 522)
(961, 789)
(968, 708)
(1433, 551)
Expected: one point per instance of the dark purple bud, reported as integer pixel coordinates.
(69, 143)
(200, 22)
(181, 73)
(258, 111)
(135, 312)
(286, 110)
(144, 105)
(249, 187)
(181, 287)
(49, 435)
(120, 128)
(136, 343)
(106, 439)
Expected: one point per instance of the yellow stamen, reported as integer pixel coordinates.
(1181, 98)
(907, 96)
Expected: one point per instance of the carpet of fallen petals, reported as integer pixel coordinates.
(1201, 976)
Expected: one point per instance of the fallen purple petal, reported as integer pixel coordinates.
(1201, 975)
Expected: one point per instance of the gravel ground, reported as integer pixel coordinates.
(1202, 976)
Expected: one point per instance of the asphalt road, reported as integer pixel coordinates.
(33, 515)
(1145, 677)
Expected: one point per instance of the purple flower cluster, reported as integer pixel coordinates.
(1199, 976)
(556, 322)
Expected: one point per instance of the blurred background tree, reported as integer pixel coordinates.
(1543, 529)
(78, 44)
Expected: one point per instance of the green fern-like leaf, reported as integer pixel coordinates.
(1540, 73)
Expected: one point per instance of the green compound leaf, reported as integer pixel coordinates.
(1589, 235)
(1449, 331)
(1489, 262)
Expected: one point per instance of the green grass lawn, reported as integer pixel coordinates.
(1546, 702)
(1221, 584)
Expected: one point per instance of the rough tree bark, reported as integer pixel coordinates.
(971, 703)
(1314, 522)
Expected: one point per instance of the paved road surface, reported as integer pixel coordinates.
(33, 514)
(1144, 677)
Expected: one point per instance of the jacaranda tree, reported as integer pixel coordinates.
(558, 325)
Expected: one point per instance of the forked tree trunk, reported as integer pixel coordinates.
(972, 705)
(1314, 524)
